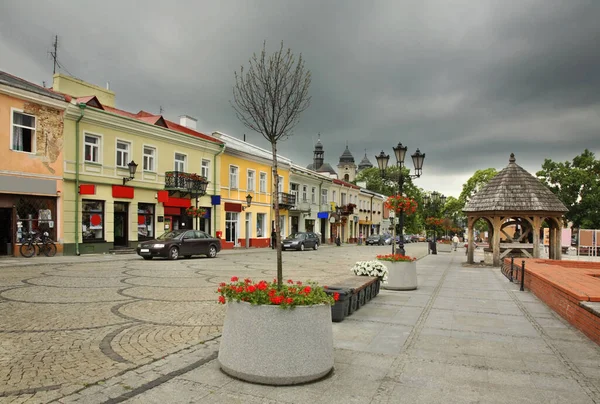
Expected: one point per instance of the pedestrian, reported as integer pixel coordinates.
(360, 238)
(273, 239)
(455, 241)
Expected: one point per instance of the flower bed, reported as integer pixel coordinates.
(370, 268)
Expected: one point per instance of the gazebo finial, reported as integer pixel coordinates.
(512, 158)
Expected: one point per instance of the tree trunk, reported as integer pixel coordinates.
(277, 227)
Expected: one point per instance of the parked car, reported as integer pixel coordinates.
(375, 239)
(180, 243)
(388, 239)
(300, 241)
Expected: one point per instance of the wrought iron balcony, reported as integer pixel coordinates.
(346, 210)
(185, 183)
(286, 201)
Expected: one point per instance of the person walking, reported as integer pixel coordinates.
(455, 241)
(273, 239)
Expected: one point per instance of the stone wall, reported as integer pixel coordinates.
(49, 132)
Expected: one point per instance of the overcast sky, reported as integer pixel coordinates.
(466, 81)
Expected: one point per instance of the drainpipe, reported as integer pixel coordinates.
(323, 238)
(371, 212)
(215, 185)
(81, 110)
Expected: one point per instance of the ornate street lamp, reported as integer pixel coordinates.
(196, 188)
(382, 162)
(132, 169)
(248, 200)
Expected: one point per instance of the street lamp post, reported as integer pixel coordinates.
(431, 203)
(196, 189)
(382, 162)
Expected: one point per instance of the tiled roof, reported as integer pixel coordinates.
(514, 190)
(16, 82)
(346, 184)
(325, 168)
(346, 156)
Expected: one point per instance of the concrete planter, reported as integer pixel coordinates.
(270, 345)
(401, 275)
(441, 247)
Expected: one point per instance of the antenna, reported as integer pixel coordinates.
(55, 54)
(160, 109)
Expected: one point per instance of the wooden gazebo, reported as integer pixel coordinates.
(516, 199)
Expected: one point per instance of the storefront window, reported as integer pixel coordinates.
(261, 221)
(92, 220)
(145, 221)
(35, 214)
(231, 221)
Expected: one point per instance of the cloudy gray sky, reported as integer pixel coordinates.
(466, 81)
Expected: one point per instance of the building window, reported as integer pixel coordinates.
(149, 156)
(34, 214)
(261, 223)
(92, 148)
(145, 221)
(324, 196)
(92, 220)
(251, 180)
(280, 186)
(304, 193)
(262, 183)
(343, 195)
(205, 169)
(233, 177)
(313, 195)
(333, 196)
(231, 226)
(122, 153)
(23, 132)
(180, 160)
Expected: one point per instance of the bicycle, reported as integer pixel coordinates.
(43, 245)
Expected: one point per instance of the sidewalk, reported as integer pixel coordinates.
(465, 335)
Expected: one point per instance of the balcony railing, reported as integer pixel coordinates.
(185, 183)
(347, 210)
(286, 200)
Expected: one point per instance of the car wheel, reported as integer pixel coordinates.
(301, 248)
(316, 247)
(212, 251)
(173, 253)
(147, 258)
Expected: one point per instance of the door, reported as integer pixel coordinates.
(6, 231)
(121, 226)
(248, 228)
(189, 245)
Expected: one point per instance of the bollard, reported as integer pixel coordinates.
(512, 265)
(522, 275)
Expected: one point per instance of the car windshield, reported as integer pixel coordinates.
(375, 237)
(299, 236)
(171, 235)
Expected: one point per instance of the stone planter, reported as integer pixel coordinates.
(441, 247)
(270, 345)
(401, 275)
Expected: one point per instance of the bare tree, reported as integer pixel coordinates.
(268, 98)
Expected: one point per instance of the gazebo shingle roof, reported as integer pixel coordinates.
(514, 190)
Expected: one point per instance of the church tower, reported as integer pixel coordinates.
(347, 166)
(364, 163)
(318, 155)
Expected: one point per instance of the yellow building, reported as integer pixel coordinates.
(246, 178)
(131, 176)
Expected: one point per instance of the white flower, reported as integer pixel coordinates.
(370, 268)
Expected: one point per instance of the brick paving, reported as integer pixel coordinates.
(71, 322)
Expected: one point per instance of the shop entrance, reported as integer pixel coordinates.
(121, 224)
(6, 231)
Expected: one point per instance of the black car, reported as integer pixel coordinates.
(300, 241)
(177, 243)
(373, 239)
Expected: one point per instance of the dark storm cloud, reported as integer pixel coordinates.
(468, 82)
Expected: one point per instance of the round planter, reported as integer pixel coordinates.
(270, 345)
(401, 275)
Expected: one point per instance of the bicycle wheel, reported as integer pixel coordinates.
(49, 249)
(27, 250)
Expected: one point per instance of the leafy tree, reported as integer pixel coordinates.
(268, 98)
(577, 185)
(474, 184)
(389, 185)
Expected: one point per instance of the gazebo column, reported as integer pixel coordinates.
(495, 244)
(537, 224)
(471, 243)
(555, 240)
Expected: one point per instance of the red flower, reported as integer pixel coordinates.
(250, 288)
(299, 283)
(336, 296)
(234, 279)
(306, 290)
(221, 299)
(272, 292)
(289, 300)
(247, 281)
(277, 299)
(219, 290)
(222, 284)
(291, 282)
(262, 285)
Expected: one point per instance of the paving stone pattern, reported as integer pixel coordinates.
(466, 335)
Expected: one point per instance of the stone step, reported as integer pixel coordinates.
(122, 250)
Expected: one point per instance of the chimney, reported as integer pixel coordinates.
(188, 121)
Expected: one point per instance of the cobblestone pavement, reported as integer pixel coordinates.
(69, 322)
